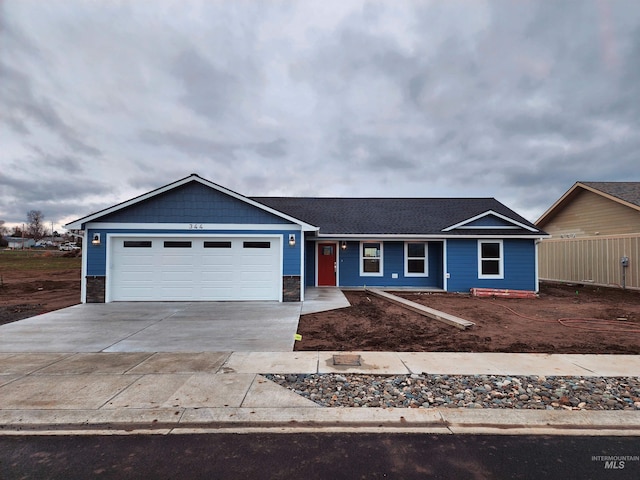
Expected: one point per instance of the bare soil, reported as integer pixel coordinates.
(32, 291)
(592, 320)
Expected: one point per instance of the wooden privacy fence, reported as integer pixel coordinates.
(591, 260)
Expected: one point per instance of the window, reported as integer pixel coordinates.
(327, 250)
(179, 244)
(416, 264)
(137, 244)
(256, 245)
(371, 259)
(217, 244)
(490, 259)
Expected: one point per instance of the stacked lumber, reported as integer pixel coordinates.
(497, 292)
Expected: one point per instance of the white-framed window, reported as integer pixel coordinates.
(490, 259)
(416, 255)
(371, 259)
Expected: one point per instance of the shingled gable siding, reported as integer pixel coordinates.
(349, 267)
(519, 265)
(489, 221)
(193, 203)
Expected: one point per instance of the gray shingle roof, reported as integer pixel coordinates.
(411, 216)
(627, 191)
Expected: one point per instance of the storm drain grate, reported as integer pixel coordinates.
(347, 360)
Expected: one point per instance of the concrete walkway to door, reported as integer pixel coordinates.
(157, 327)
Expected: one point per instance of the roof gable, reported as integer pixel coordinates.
(191, 199)
(490, 220)
(623, 193)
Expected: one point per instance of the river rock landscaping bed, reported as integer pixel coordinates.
(465, 391)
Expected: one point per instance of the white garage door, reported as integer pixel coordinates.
(194, 268)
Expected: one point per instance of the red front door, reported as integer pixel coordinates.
(327, 265)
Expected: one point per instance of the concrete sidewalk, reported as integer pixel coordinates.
(163, 393)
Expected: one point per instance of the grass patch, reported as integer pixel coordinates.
(28, 260)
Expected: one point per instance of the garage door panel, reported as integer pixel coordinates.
(176, 260)
(213, 268)
(131, 260)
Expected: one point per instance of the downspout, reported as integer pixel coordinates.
(303, 249)
(445, 266)
(537, 279)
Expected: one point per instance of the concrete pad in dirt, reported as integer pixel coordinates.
(378, 363)
(207, 362)
(197, 390)
(63, 392)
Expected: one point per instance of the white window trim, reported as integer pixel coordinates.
(406, 260)
(500, 259)
(362, 258)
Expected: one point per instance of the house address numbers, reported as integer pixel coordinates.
(196, 226)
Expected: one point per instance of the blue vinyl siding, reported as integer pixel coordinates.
(192, 203)
(519, 265)
(393, 262)
(96, 255)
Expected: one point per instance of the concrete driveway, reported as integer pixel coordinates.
(157, 327)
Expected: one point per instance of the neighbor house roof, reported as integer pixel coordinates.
(400, 216)
(625, 193)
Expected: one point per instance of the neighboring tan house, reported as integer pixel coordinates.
(595, 229)
(196, 240)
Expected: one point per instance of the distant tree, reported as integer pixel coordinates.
(17, 232)
(35, 224)
(3, 232)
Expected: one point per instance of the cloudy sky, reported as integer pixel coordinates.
(104, 100)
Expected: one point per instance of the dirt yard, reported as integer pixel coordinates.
(564, 319)
(592, 320)
(35, 282)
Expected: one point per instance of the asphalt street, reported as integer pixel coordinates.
(318, 456)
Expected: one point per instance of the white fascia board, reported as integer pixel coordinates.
(192, 227)
(485, 214)
(77, 224)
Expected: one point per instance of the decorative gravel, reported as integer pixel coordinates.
(466, 391)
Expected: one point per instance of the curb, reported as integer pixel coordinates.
(302, 420)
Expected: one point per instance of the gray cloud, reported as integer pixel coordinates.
(516, 100)
(21, 104)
